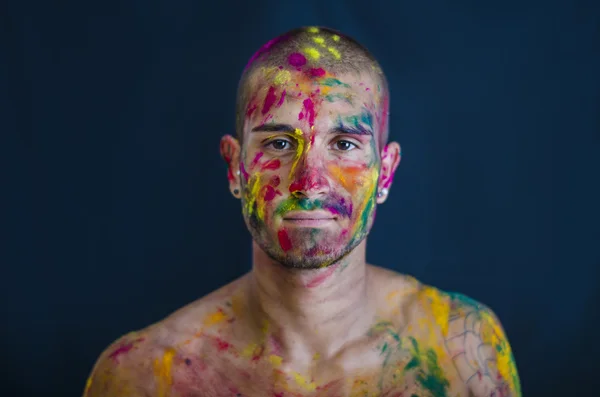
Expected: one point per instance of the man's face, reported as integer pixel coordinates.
(310, 163)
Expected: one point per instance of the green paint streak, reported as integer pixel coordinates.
(463, 299)
(384, 348)
(331, 82)
(338, 96)
(294, 204)
(413, 363)
(434, 379)
(367, 118)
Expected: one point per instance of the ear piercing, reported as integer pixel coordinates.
(236, 192)
(237, 172)
(382, 192)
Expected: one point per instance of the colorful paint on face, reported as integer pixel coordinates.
(297, 60)
(281, 179)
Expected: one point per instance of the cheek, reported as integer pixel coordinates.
(354, 179)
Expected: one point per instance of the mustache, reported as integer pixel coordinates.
(335, 204)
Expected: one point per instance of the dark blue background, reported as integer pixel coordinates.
(118, 207)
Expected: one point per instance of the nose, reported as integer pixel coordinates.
(309, 180)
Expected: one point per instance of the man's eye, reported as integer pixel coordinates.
(344, 145)
(279, 144)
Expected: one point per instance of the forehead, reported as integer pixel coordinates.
(315, 96)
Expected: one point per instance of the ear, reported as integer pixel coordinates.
(390, 158)
(230, 151)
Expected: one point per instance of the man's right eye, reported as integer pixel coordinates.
(279, 144)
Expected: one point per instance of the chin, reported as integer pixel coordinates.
(304, 255)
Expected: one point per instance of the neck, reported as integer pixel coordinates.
(309, 311)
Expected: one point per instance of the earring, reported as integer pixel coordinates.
(382, 192)
(236, 192)
(237, 172)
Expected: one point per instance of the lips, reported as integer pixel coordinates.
(309, 215)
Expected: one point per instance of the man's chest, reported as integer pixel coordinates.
(410, 370)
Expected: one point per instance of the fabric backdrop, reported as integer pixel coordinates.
(118, 207)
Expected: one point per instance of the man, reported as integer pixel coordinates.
(310, 164)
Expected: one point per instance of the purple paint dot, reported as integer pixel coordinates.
(297, 59)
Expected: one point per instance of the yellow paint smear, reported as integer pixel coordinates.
(335, 37)
(299, 150)
(275, 360)
(282, 77)
(304, 383)
(312, 53)
(162, 370)
(313, 29)
(496, 338)
(319, 40)
(336, 54)
(251, 350)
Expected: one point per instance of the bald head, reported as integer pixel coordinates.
(317, 53)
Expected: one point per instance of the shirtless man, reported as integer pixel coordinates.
(310, 164)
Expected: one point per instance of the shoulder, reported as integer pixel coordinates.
(138, 363)
(480, 349)
(470, 331)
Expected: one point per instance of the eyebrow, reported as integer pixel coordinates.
(273, 128)
(354, 130)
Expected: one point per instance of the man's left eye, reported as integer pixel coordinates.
(344, 145)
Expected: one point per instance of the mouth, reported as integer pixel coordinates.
(309, 218)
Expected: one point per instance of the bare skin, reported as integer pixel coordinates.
(312, 318)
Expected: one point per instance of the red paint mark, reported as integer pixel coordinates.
(243, 171)
(284, 240)
(251, 108)
(296, 59)
(272, 164)
(308, 181)
(265, 48)
(275, 181)
(281, 99)
(301, 115)
(317, 72)
(269, 100)
(278, 394)
(310, 110)
(322, 276)
(124, 348)
(270, 193)
(297, 186)
(256, 158)
(222, 345)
